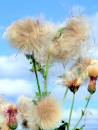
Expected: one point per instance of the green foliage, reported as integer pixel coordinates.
(83, 112)
(64, 126)
(39, 67)
(13, 127)
(59, 33)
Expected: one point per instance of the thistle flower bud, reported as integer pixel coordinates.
(74, 85)
(93, 74)
(92, 85)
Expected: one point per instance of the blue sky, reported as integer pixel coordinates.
(15, 70)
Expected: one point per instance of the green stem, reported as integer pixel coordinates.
(67, 126)
(36, 75)
(65, 94)
(12, 128)
(71, 110)
(83, 113)
(46, 75)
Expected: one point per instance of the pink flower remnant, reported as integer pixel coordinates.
(11, 117)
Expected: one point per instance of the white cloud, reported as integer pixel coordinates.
(16, 87)
(14, 67)
(15, 77)
(91, 113)
(90, 120)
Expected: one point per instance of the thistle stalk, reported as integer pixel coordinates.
(46, 75)
(71, 110)
(83, 112)
(65, 94)
(36, 75)
(13, 128)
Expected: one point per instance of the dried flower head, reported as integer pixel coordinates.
(93, 70)
(28, 35)
(73, 85)
(68, 45)
(83, 63)
(94, 62)
(93, 74)
(77, 75)
(47, 113)
(25, 106)
(79, 28)
(32, 125)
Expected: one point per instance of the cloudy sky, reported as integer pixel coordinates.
(15, 78)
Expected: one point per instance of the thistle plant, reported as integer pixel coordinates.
(45, 44)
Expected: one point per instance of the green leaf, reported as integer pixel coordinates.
(28, 56)
(37, 94)
(59, 33)
(82, 113)
(82, 127)
(63, 126)
(86, 98)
